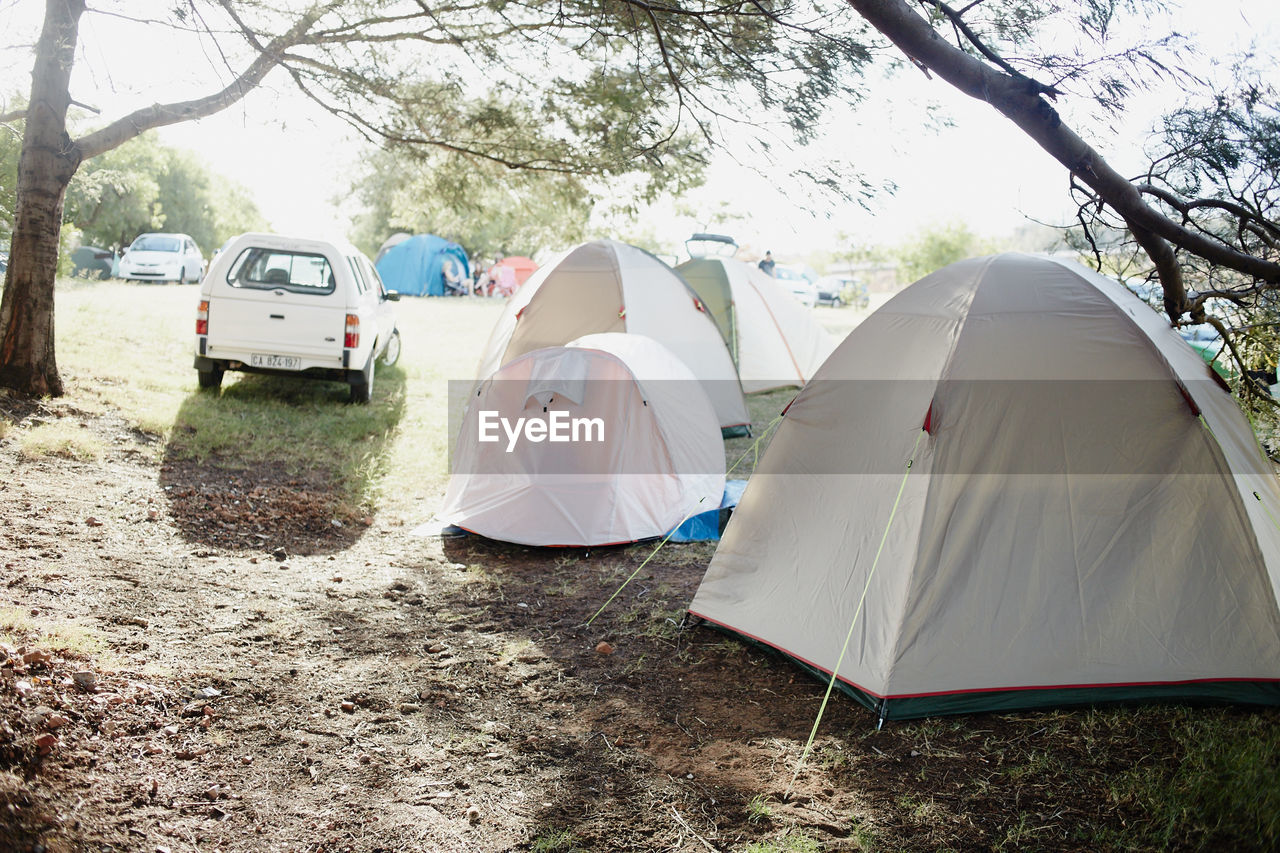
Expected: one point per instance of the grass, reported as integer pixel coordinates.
(1222, 791)
(758, 810)
(916, 808)
(743, 454)
(392, 454)
(554, 841)
(861, 833)
(17, 627)
(66, 439)
(791, 842)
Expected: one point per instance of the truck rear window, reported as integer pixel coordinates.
(272, 269)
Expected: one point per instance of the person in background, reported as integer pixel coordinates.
(504, 279)
(478, 278)
(455, 284)
(766, 263)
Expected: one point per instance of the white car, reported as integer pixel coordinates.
(289, 306)
(162, 257)
(800, 286)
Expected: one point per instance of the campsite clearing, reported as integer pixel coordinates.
(261, 678)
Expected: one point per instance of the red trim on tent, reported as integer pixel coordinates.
(697, 303)
(622, 312)
(521, 311)
(989, 689)
(787, 408)
(765, 642)
(1216, 377)
(928, 419)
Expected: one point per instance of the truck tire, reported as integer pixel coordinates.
(210, 380)
(391, 354)
(362, 384)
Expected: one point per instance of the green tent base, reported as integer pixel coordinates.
(736, 431)
(988, 701)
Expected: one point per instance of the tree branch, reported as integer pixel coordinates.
(1246, 376)
(1238, 210)
(915, 37)
(957, 21)
(159, 115)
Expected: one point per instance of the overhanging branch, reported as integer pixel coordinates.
(957, 20)
(1030, 112)
(159, 115)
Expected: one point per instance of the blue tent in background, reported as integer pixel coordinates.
(415, 267)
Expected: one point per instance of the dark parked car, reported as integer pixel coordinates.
(91, 262)
(835, 290)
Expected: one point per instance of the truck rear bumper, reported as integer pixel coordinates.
(333, 374)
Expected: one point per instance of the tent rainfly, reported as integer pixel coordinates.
(1087, 516)
(390, 243)
(607, 286)
(773, 339)
(656, 459)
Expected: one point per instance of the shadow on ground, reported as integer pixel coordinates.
(273, 463)
(665, 737)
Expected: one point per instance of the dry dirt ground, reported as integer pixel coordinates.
(202, 660)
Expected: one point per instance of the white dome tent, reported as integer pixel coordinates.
(607, 286)
(656, 459)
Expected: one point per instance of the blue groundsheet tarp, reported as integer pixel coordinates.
(415, 267)
(706, 526)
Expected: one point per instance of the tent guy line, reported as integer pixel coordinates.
(831, 683)
(755, 445)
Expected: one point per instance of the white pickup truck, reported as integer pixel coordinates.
(294, 307)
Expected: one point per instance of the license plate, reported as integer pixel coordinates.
(277, 362)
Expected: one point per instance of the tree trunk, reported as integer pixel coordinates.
(48, 160)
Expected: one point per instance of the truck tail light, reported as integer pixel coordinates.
(202, 318)
(352, 338)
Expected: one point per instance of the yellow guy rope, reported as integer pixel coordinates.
(753, 448)
(808, 747)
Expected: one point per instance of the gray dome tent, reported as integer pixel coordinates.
(1087, 516)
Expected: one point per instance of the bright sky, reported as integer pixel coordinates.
(298, 160)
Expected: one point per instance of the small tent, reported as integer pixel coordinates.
(415, 267)
(640, 449)
(1086, 516)
(607, 286)
(773, 338)
(390, 243)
